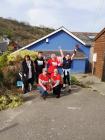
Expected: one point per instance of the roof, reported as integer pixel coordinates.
(79, 55)
(54, 32)
(87, 37)
(83, 38)
(99, 34)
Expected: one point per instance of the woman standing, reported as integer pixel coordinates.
(67, 62)
(27, 73)
(53, 64)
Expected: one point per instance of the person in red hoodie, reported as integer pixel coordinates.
(56, 80)
(44, 83)
(53, 64)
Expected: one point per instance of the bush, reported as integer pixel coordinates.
(1, 78)
(9, 76)
(74, 81)
(1, 75)
(17, 57)
(10, 101)
(3, 59)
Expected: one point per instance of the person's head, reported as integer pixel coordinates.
(55, 71)
(40, 54)
(67, 56)
(44, 71)
(27, 57)
(53, 56)
(77, 46)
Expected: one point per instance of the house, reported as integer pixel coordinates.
(6, 39)
(99, 49)
(67, 41)
(3, 47)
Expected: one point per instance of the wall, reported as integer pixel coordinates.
(78, 66)
(99, 48)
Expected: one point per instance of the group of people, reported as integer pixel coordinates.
(45, 73)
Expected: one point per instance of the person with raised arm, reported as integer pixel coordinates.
(66, 66)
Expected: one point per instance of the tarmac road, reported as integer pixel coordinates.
(76, 116)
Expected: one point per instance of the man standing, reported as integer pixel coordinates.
(39, 65)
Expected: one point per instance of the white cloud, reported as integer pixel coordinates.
(16, 3)
(46, 17)
(80, 15)
(83, 4)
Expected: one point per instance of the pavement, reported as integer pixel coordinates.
(76, 116)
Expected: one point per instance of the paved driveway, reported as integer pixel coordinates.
(76, 116)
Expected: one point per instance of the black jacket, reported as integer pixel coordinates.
(25, 69)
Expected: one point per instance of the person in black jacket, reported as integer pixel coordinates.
(67, 62)
(39, 65)
(27, 73)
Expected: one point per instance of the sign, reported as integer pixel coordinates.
(94, 57)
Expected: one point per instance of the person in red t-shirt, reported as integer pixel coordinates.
(44, 83)
(56, 80)
(53, 63)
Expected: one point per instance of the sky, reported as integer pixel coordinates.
(75, 15)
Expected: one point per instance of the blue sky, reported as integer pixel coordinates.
(76, 15)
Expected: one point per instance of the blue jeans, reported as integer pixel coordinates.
(42, 91)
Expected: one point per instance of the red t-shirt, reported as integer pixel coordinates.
(56, 78)
(44, 79)
(53, 64)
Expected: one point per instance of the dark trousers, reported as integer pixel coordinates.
(66, 78)
(26, 83)
(37, 76)
(57, 90)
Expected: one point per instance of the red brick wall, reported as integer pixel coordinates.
(99, 48)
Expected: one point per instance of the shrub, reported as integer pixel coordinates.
(74, 80)
(10, 75)
(10, 101)
(3, 59)
(1, 75)
(1, 78)
(17, 57)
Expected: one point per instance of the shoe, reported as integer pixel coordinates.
(25, 91)
(44, 97)
(69, 90)
(58, 96)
